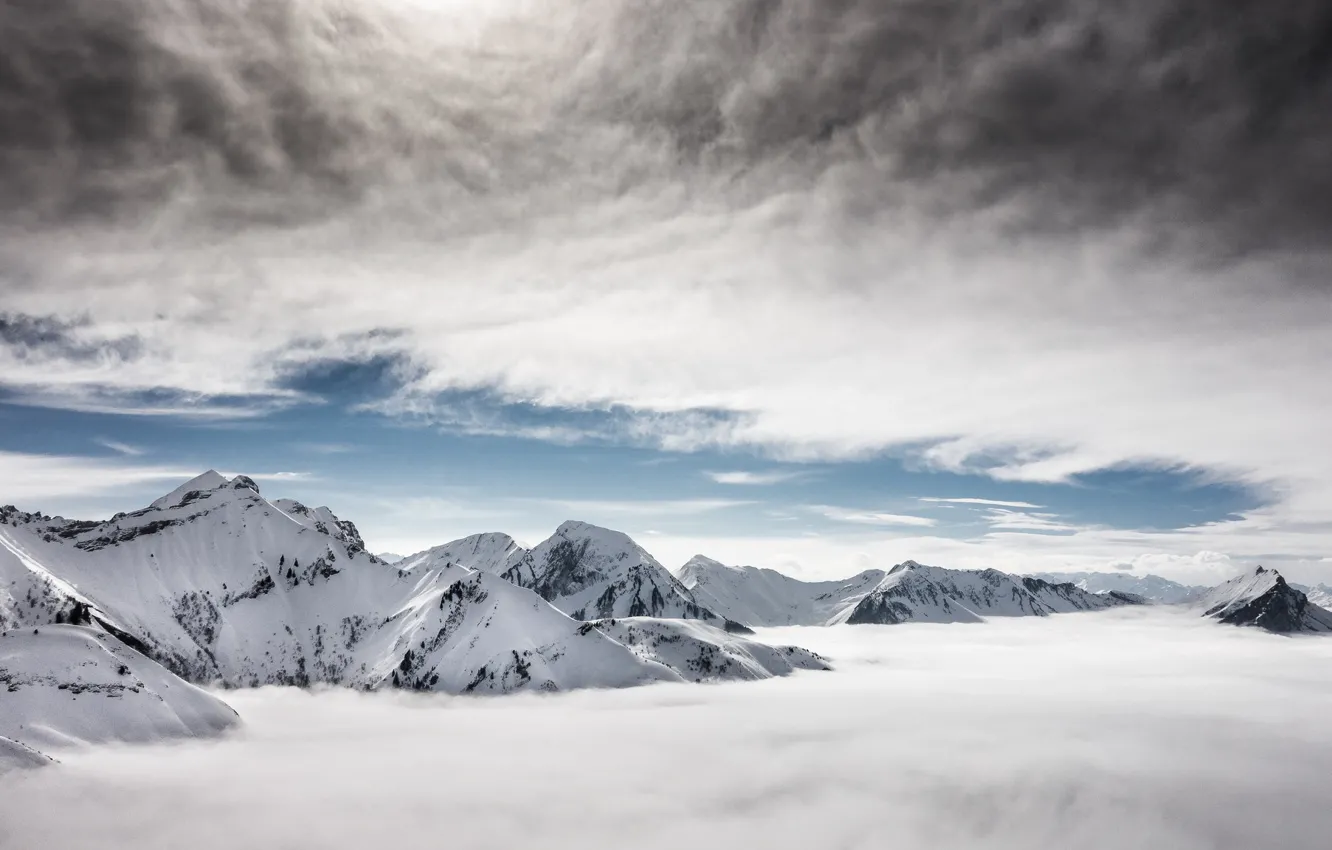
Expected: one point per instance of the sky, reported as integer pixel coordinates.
(816, 286)
(997, 736)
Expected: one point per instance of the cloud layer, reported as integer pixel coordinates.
(1003, 735)
(1024, 239)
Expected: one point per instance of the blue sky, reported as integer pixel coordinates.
(410, 483)
(761, 300)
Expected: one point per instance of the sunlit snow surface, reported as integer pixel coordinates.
(1133, 728)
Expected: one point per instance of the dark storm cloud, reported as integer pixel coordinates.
(1215, 112)
(47, 337)
(1212, 119)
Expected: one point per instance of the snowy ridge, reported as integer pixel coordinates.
(222, 586)
(763, 597)
(1318, 594)
(702, 652)
(1150, 587)
(492, 552)
(919, 593)
(17, 756)
(590, 573)
(482, 634)
(65, 685)
(1262, 598)
(908, 592)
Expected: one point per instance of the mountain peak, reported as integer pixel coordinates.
(208, 481)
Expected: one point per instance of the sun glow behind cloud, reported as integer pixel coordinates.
(797, 230)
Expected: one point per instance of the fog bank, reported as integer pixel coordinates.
(1127, 729)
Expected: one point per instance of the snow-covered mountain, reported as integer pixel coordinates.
(591, 573)
(71, 684)
(764, 597)
(389, 557)
(492, 552)
(1150, 587)
(482, 634)
(909, 592)
(699, 651)
(16, 756)
(1319, 594)
(919, 593)
(1262, 598)
(221, 585)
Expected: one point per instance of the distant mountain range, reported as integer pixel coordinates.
(1149, 587)
(214, 583)
(906, 593)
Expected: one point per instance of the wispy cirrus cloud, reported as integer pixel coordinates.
(870, 517)
(1011, 520)
(989, 502)
(119, 447)
(741, 477)
(27, 478)
(641, 507)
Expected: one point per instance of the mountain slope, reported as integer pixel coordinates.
(1318, 594)
(488, 553)
(700, 652)
(918, 593)
(591, 573)
(762, 597)
(1262, 598)
(1150, 587)
(482, 634)
(70, 684)
(909, 592)
(16, 756)
(221, 585)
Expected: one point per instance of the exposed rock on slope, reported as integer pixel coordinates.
(482, 634)
(909, 592)
(914, 592)
(221, 585)
(488, 553)
(1262, 598)
(701, 652)
(591, 572)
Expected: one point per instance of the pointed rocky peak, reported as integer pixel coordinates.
(490, 552)
(703, 561)
(698, 568)
(590, 572)
(1262, 598)
(905, 566)
(244, 482)
(205, 483)
(601, 538)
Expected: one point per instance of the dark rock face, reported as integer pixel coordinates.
(1282, 609)
(878, 609)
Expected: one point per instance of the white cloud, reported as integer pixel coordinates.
(864, 517)
(639, 507)
(994, 502)
(752, 478)
(1008, 520)
(803, 318)
(28, 478)
(1002, 736)
(119, 447)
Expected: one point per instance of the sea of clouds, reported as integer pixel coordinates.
(1129, 729)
